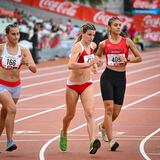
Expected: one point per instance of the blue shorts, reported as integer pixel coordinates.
(14, 91)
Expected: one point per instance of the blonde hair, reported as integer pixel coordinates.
(83, 29)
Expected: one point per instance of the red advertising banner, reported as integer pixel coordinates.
(146, 4)
(149, 25)
(6, 12)
(28, 2)
(75, 10)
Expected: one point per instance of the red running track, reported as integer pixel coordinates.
(42, 107)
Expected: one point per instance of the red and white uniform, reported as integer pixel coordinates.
(84, 57)
(9, 61)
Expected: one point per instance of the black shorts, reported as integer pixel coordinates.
(113, 85)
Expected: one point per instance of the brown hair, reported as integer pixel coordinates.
(7, 29)
(84, 28)
(112, 20)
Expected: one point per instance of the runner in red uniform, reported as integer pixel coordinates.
(79, 84)
(113, 79)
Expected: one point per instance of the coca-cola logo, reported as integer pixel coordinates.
(152, 36)
(145, 4)
(126, 21)
(150, 21)
(49, 4)
(101, 18)
(66, 8)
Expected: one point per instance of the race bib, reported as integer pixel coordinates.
(10, 62)
(88, 58)
(114, 60)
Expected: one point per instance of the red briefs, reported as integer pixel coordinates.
(10, 84)
(79, 88)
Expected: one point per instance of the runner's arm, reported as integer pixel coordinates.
(28, 60)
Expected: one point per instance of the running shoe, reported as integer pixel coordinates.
(63, 141)
(11, 146)
(113, 145)
(94, 146)
(103, 133)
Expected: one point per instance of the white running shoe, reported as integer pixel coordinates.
(113, 145)
(103, 133)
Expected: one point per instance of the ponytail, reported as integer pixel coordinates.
(78, 38)
(83, 29)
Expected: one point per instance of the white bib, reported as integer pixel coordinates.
(113, 59)
(88, 58)
(11, 62)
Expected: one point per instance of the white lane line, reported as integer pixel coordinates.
(79, 109)
(47, 68)
(118, 138)
(141, 147)
(100, 71)
(41, 95)
(66, 71)
(27, 140)
(45, 74)
(42, 151)
(144, 62)
(145, 79)
(140, 100)
(135, 136)
(154, 154)
(60, 90)
(145, 109)
(143, 69)
(76, 139)
(117, 134)
(139, 81)
(61, 106)
(45, 82)
(26, 132)
(39, 113)
(150, 54)
(136, 95)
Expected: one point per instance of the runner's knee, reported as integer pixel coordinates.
(89, 114)
(3, 110)
(11, 109)
(109, 108)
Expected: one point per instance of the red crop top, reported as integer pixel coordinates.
(114, 51)
(85, 57)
